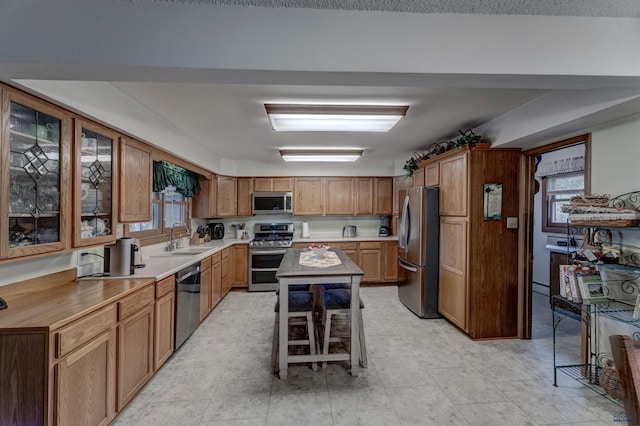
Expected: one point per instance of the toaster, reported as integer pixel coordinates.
(349, 231)
(217, 230)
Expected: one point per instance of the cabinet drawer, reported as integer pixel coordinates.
(133, 303)
(165, 286)
(205, 264)
(216, 258)
(345, 246)
(81, 331)
(366, 245)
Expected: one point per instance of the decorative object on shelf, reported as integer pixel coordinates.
(411, 165)
(468, 137)
(599, 210)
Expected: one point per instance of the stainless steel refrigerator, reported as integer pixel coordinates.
(418, 252)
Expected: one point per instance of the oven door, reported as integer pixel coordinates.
(263, 265)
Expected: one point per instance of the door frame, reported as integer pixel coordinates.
(527, 185)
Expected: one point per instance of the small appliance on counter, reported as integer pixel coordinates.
(305, 230)
(384, 227)
(120, 258)
(216, 230)
(349, 231)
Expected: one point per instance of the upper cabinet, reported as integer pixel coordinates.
(245, 188)
(453, 185)
(136, 176)
(383, 196)
(35, 173)
(227, 196)
(308, 196)
(204, 202)
(95, 184)
(364, 196)
(275, 184)
(339, 196)
(418, 177)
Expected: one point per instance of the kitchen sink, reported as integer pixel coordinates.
(191, 251)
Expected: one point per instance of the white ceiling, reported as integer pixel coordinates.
(192, 75)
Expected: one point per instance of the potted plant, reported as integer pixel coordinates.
(410, 166)
(467, 138)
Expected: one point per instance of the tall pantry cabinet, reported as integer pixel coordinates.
(478, 284)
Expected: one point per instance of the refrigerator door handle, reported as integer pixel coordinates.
(403, 241)
(407, 267)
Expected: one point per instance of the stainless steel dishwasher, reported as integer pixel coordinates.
(188, 303)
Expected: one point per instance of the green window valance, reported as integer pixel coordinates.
(167, 174)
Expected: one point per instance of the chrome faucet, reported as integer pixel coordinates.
(174, 244)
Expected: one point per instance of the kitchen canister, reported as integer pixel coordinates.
(305, 230)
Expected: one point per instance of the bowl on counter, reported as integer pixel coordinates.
(318, 249)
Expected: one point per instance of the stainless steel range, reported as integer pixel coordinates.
(266, 250)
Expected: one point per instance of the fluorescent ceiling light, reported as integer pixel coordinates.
(320, 155)
(334, 118)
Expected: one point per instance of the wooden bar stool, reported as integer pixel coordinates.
(301, 311)
(336, 303)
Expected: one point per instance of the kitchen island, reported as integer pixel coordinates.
(292, 272)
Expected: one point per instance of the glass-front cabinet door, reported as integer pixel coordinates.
(95, 184)
(36, 143)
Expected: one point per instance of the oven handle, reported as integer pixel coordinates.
(251, 252)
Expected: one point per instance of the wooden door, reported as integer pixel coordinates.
(453, 186)
(390, 261)
(453, 295)
(227, 196)
(206, 289)
(216, 284)
(136, 181)
(364, 196)
(245, 188)
(283, 184)
(370, 260)
(135, 354)
(383, 196)
(204, 202)
(418, 177)
(262, 184)
(164, 327)
(308, 196)
(432, 174)
(226, 274)
(84, 385)
(338, 196)
(240, 265)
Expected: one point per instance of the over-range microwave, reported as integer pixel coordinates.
(272, 203)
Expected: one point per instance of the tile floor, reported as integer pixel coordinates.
(421, 372)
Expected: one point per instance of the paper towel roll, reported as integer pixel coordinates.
(305, 230)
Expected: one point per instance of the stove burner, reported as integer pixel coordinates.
(269, 235)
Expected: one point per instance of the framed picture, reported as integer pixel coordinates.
(492, 201)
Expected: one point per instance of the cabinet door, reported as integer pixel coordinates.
(453, 297)
(136, 176)
(35, 194)
(163, 329)
(245, 188)
(262, 184)
(418, 177)
(383, 196)
(339, 196)
(308, 196)
(453, 186)
(364, 196)
(227, 196)
(432, 174)
(135, 354)
(206, 287)
(84, 385)
(240, 265)
(226, 271)
(283, 184)
(204, 202)
(216, 286)
(391, 261)
(95, 184)
(370, 261)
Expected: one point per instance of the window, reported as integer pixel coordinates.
(168, 208)
(556, 191)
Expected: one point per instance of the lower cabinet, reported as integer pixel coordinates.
(370, 260)
(240, 265)
(85, 383)
(390, 261)
(164, 321)
(226, 267)
(453, 298)
(206, 286)
(216, 285)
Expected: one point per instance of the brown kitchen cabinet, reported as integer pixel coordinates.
(95, 184)
(227, 196)
(226, 268)
(240, 265)
(338, 196)
(349, 248)
(245, 188)
(164, 321)
(205, 202)
(432, 175)
(273, 184)
(370, 260)
(418, 177)
(383, 196)
(35, 196)
(478, 284)
(135, 343)
(136, 176)
(390, 261)
(364, 197)
(308, 196)
(206, 288)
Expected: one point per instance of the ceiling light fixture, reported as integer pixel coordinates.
(334, 118)
(319, 155)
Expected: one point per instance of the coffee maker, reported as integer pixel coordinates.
(384, 227)
(120, 258)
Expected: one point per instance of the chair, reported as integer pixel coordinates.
(337, 302)
(300, 308)
(626, 357)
